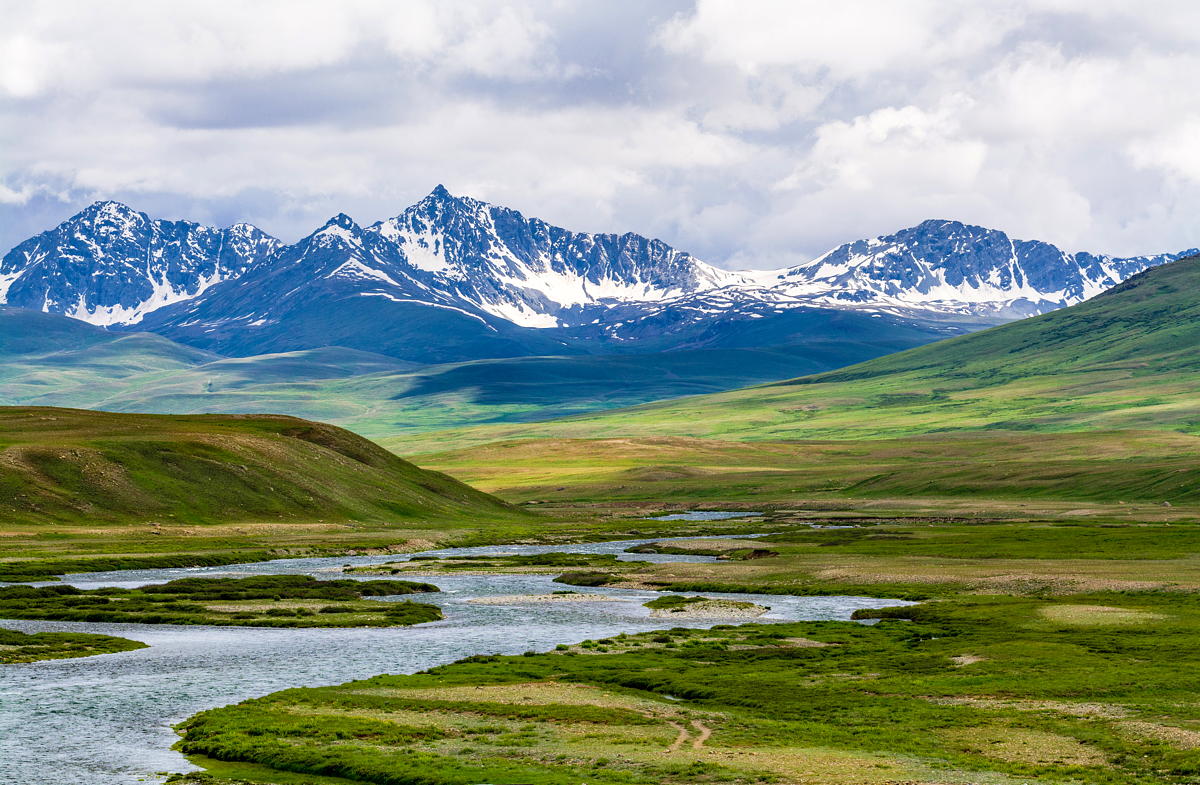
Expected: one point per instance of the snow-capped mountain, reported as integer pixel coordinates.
(112, 265)
(953, 268)
(343, 285)
(453, 278)
(531, 273)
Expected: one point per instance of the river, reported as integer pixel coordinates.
(106, 720)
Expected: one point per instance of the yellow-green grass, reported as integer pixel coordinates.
(919, 561)
(1138, 468)
(893, 406)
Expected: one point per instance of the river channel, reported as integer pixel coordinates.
(106, 720)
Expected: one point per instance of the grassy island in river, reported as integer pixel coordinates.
(17, 647)
(264, 601)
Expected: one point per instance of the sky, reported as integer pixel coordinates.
(755, 134)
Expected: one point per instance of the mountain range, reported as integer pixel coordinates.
(453, 278)
(458, 312)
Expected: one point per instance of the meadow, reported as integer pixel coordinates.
(1053, 648)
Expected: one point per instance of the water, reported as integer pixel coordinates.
(703, 515)
(107, 720)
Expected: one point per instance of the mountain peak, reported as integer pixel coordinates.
(941, 223)
(441, 200)
(342, 220)
(107, 208)
(340, 227)
(108, 204)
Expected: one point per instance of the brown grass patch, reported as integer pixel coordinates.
(1023, 745)
(1183, 738)
(1097, 615)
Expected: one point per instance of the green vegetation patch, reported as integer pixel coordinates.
(65, 465)
(31, 647)
(673, 601)
(971, 689)
(262, 601)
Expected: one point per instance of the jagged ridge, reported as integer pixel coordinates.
(110, 264)
(456, 260)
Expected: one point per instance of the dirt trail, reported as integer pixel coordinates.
(680, 739)
(697, 743)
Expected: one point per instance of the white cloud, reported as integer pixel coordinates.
(750, 133)
(1174, 150)
(847, 39)
(924, 150)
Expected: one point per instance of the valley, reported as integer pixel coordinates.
(544, 393)
(458, 313)
(949, 547)
(1043, 646)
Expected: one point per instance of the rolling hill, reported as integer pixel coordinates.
(1094, 402)
(63, 466)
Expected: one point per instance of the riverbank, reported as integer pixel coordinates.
(44, 552)
(956, 691)
(83, 705)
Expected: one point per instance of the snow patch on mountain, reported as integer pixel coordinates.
(111, 265)
(527, 271)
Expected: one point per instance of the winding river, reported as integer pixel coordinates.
(106, 720)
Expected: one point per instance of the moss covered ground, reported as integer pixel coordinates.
(18, 647)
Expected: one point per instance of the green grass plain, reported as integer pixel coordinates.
(1085, 678)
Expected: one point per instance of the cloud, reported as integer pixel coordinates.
(751, 134)
(842, 40)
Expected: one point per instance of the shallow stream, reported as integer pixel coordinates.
(106, 720)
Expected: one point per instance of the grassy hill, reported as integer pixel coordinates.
(65, 465)
(82, 491)
(1095, 402)
(1128, 359)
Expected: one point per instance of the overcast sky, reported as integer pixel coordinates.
(752, 133)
